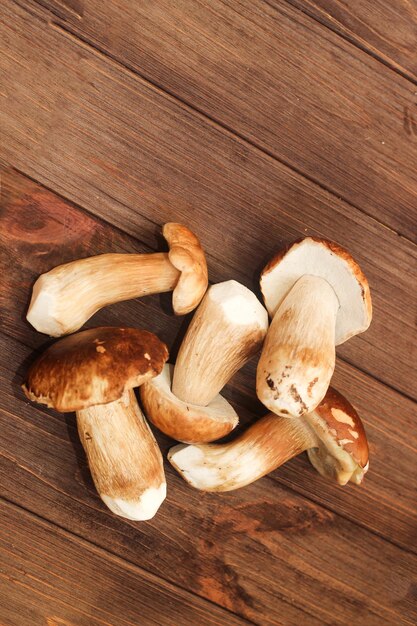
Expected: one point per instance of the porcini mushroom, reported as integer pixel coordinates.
(93, 373)
(227, 329)
(318, 298)
(332, 434)
(67, 296)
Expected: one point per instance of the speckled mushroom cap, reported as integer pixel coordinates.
(343, 450)
(187, 256)
(93, 367)
(326, 259)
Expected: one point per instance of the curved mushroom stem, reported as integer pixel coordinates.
(262, 448)
(298, 357)
(124, 458)
(67, 296)
(227, 329)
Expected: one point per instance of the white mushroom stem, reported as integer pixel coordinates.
(298, 357)
(67, 296)
(227, 329)
(262, 448)
(124, 458)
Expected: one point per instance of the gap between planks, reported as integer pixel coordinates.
(213, 121)
(352, 40)
(112, 557)
(93, 47)
(305, 9)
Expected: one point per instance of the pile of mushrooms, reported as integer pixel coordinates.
(317, 297)
(227, 329)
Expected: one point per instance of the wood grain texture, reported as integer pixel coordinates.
(50, 577)
(285, 83)
(291, 548)
(386, 29)
(132, 155)
(40, 230)
(266, 552)
(387, 501)
(388, 416)
(385, 504)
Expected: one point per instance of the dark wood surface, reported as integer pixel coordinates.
(262, 552)
(385, 29)
(33, 216)
(319, 104)
(133, 155)
(142, 113)
(51, 577)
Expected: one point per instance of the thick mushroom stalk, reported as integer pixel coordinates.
(263, 447)
(318, 298)
(333, 436)
(228, 328)
(124, 458)
(67, 296)
(93, 373)
(298, 357)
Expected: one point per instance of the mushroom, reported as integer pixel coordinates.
(93, 373)
(332, 434)
(227, 329)
(67, 296)
(318, 298)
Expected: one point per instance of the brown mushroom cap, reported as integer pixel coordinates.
(94, 367)
(187, 256)
(343, 451)
(326, 259)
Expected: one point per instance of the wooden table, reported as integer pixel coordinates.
(254, 122)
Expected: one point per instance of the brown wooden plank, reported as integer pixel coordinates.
(282, 536)
(41, 230)
(132, 155)
(263, 552)
(386, 504)
(51, 577)
(386, 29)
(387, 501)
(284, 82)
